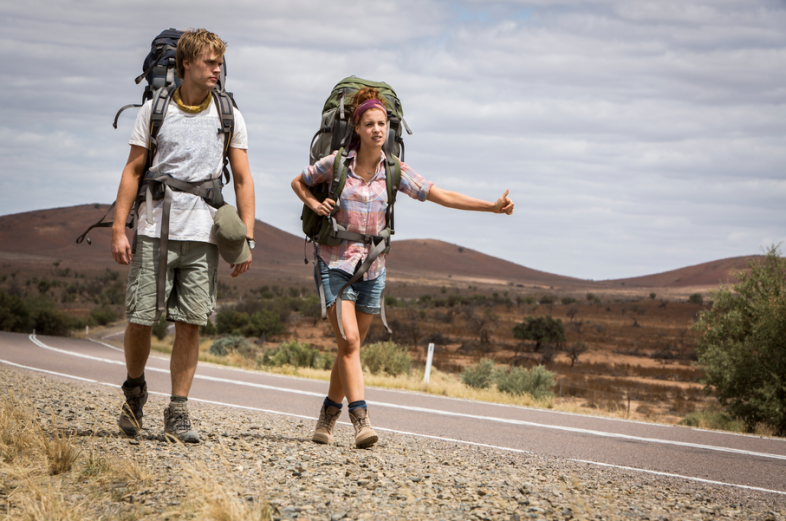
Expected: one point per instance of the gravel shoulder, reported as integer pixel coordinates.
(253, 465)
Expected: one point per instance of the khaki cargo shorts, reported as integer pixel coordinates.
(191, 282)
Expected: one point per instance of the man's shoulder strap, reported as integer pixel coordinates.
(225, 104)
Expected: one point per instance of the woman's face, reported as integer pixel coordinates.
(373, 128)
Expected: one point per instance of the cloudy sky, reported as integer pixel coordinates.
(635, 137)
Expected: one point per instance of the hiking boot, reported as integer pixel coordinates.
(326, 423)
(130, 421)
(364, 434)
(177, 425)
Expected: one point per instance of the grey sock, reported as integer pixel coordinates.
(179, 399)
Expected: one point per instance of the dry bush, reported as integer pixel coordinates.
(45, 502)
(18, 429)
(219, 499)
(60, 453)
(135, 469)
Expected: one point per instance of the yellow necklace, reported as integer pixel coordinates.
(190, 109)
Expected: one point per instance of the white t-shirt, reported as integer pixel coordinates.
(190, 148)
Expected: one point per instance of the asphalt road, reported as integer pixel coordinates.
(719, 458)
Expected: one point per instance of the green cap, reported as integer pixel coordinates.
(230, 233)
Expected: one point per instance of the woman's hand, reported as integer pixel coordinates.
(326, 207)
(503, 204)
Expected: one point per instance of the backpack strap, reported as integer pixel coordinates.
(225, 104)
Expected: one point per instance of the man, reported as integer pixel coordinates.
(189, 149)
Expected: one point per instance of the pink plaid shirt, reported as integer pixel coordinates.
(362, 208)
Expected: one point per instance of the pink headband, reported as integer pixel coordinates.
(366, 105)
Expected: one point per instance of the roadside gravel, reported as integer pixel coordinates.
(266, 463)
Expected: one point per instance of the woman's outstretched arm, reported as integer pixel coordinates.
(464, 202)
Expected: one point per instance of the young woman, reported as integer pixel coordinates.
(361, 209)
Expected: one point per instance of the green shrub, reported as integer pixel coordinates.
(742, 349)
(231, 322)
(566, 301)
(536, 382)
(391, 301)
(208, 329)
(543, 330)
(14, 315)
(386, 357)
(713, 419)
(46, 319)
(103, 315)
(297, 354)
(652, 295)
(480, 375)
(696, 298)
(160, 329)
(547, 299)
(226, 344)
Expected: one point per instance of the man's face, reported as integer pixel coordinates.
(205, 70)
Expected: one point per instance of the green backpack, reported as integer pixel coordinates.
(336, 134)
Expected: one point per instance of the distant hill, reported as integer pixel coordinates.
(706, 274)
(39, 238)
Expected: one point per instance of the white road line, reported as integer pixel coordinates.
(464, 400)
(405, 433)
(574, 430)
(658, 473)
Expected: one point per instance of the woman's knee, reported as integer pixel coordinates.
(351, 347)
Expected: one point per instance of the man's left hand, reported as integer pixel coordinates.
(240, 268)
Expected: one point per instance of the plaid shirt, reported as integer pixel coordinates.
(362, 208)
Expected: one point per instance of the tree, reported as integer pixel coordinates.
(541, 330)
(483, 324)
(743, 346)
(575, 350)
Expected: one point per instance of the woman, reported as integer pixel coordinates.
(361, 209)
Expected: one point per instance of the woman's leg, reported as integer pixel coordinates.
(346, 378)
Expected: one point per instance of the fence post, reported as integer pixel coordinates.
(560, 389)
(87, 331)
(428, 363)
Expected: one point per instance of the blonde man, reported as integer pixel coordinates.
(188, 149)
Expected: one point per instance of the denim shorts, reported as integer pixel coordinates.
(364, 293)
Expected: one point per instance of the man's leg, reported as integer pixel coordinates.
(185, 355)
(195, 291)
(136, 347)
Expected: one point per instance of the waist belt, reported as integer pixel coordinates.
(162, 187)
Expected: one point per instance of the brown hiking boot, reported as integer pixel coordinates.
(364, 434)
(177, 424)
(130, 421)
(326, 424)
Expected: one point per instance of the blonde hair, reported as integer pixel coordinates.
(191, 45)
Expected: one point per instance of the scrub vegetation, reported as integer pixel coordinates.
(609, 353)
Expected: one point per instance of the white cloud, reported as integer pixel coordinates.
(635, 137)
